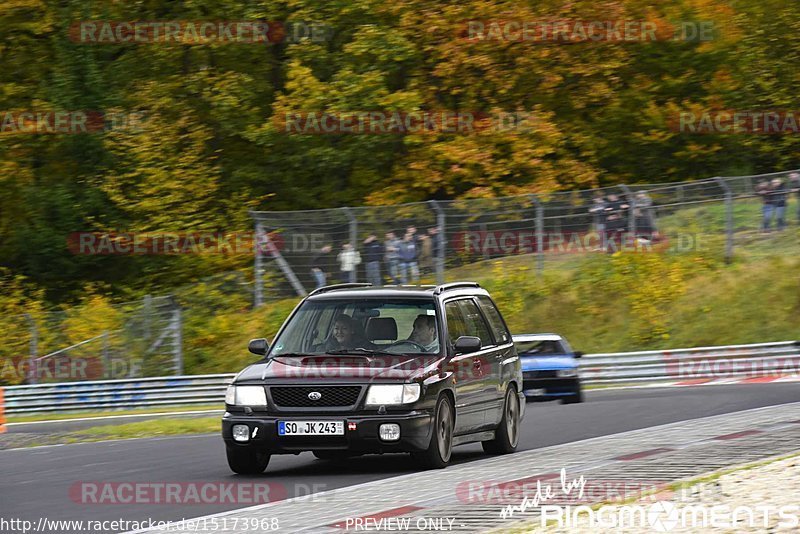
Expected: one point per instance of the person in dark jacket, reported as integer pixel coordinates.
(373, 253)
(408, 254)
(778, 195)
(616, 211)
(320, 265)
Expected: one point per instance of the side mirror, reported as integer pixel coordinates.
(258, 346)
(578, 354)
(467, 344)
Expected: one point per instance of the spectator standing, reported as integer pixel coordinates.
(643, 211)
(408, 259)
(391, 256)
(349, 260)
(616, 221)
(373, 252)
(320, 264)
(778, 194)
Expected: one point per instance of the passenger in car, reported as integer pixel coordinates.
(347, 334)
(424, 333)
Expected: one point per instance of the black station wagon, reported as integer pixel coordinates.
(358, 370)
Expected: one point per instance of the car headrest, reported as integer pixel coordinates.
(381, 328)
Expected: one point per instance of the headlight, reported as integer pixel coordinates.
(392, 394)
(246, 396)
(566, 373)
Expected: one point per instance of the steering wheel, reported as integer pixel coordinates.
(409, 342)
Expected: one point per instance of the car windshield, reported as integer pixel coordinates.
(371, 327)
(541, 347)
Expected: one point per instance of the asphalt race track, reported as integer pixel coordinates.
(35, 482)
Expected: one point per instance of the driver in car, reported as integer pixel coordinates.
(424, 333)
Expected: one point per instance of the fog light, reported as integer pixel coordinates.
(241, 432)
(389, 432)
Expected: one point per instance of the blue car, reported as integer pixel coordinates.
(549, 368)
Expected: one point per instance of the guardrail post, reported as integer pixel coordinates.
(539, 234)
(728, 218)
(440, 247)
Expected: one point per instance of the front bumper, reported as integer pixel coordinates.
(543, 388)
(415, 433)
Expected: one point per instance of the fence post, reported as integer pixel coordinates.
(258, 269)
(34, 349)
(441, 247)
(631, 210)
(106, 359)
(177, 339)
(2, 412)
(728, 218)
(539, 234)
(353, 233)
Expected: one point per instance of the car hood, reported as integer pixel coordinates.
(546, 363)
(341, 368)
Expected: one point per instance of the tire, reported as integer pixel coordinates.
(574, 399)
(246, 460)
(330, 455)
(440, 449)
(506, 435)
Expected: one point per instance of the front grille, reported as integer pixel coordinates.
(297, 396)
(539, 374)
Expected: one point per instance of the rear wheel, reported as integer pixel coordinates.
(506, 436)
(438, 453)
(246, 460)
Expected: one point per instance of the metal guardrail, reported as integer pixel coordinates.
(700, 363)
(732, 361)
(117, 394)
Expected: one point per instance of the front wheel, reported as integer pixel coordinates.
(506, 436)
(438, 453)
(246, 460)
(574, 398)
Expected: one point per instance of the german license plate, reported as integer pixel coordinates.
(311, 428)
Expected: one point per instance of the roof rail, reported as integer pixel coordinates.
(334, 287)
(453, 285)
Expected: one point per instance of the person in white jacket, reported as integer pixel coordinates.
(349, 259)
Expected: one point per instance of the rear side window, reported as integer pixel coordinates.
(495, 321)
(466, 321)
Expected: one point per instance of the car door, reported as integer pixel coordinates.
(502, 360)
(467, 375)
(486, 362)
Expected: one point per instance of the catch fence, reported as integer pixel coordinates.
(438, 241)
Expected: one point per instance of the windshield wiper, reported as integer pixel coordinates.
(360, 351)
